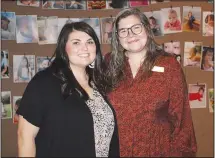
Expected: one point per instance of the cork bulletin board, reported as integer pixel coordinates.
(203, 119)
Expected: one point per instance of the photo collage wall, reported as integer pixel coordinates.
(41, 30)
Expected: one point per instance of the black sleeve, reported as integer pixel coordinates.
(32, 107)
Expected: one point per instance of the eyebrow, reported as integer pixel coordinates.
(90, 39)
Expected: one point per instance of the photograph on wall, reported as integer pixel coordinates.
(52, 4)
(158, 1)
(6, 109)
(154, 18)
(26, 29)
(47, 27)
(171, 20)
(192, 54)
(211, 99)
(43, 62)
(23, 68)
(114, 4)
(174, 48)
(32, 3)
(16, 104)
(197, 95)
(94, 4)
(4, 64)
(208, 24)
(75, 4)
(138, 3)
(106, 27)
(8, 26)
(210, 1)
(191, 19)
(63, 21)
(207, 59)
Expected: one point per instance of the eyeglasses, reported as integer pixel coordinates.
(135, 29)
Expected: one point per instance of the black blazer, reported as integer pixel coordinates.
(66, 125)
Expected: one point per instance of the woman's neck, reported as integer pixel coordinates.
(136, 57)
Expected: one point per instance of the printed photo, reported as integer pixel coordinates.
(53, 4)
(75, 4)
(23, 68)
(208, 24)
(6, 109)
(8, 26)
(210, 1)
(26, 29)
(43, 63)
(32, 3)
(207, 61)
(192, 54)
(197, 95)
(106, 26)
(63, 21)
(133, 3)
(173, 48)
(47, 27)
(94, 4)
(171, 20)
(191, 19)
(4, 64)
(113, 4)
(158, 1)
(16, 104)
(211, 99)
(155, 22)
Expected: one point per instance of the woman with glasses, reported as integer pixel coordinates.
(148, 91)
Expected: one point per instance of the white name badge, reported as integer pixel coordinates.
(158, 69)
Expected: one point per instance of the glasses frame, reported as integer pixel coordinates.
(130, 28)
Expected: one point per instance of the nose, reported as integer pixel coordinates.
(84, 47)
(130, 33)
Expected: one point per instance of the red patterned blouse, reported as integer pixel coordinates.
(154, 115)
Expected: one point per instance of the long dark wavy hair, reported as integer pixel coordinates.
(61, 67)
(116, 59)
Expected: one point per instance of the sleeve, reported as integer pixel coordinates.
(183, 141)
(178, 25)
(31, 107)
(166, 26)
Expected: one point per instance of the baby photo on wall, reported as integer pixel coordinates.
(207, 59)
(94, 4)
(23, 68)
(43, 63)
(47, 27)
(211, 99)
(191, 18)
(208, 24)
(138, 3)
(8, 26)
(32, 3)
(16, 104)
(192, 54)
(171, 20)
(75, 4)
(173, 48)
(6, 109)
(26, 29)
(154, 18)
(112, 4)
(197, 95)
(52, 4)
(106, 27)
(4, 64)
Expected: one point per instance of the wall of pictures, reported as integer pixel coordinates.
(29, 32)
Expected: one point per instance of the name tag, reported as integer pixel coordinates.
(158, 69)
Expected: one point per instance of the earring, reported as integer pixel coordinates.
(92, 65)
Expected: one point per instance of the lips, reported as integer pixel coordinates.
(84, 55)
(133, 41)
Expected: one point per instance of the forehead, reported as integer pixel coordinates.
(128, 21)
(79, 35)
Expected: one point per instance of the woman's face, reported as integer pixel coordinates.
(133, 42)
(81, 49)
(209, 56)
(210, 21)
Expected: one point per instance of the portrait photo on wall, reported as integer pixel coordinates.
(138, 3)
(23, 68)
(106, 29)
(171, 20)
(197, 95)
(208, 24)
(114, 4)
(16, 103)
(6, 109)
(75, 4)
(43, 62)
(8, 26)
(192, 54)
(52, 4)
(47, 27)
(94, 4)
(32, 3)
(4, 64)
(207, 59)
(191, 19)
(174, 48)
(26, 29)
(211, 99)
(154, 18)
(158, 1)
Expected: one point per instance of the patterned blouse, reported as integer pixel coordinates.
(103, 119)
